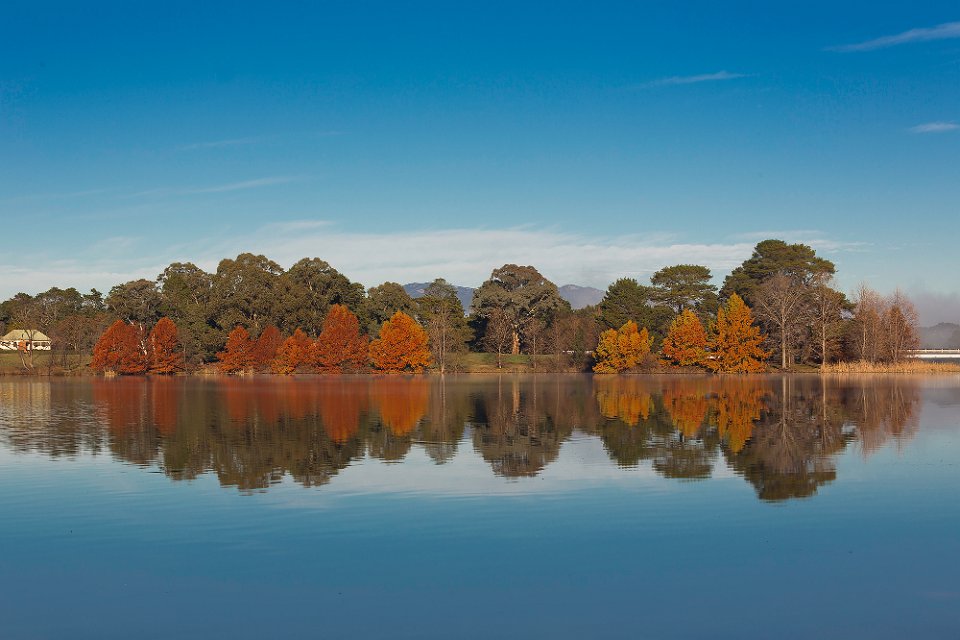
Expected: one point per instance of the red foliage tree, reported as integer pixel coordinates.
(402, 346)
(292, 354)
(265, 348)
(163, 345)
(237, 356)
(339, 347)
(120, 350)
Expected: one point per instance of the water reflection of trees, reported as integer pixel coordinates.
(781, 434)
(519, 424)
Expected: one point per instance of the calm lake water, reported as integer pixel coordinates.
(480, 507)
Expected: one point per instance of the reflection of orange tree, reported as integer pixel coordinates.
(738, 405)
(628, 399)
(340, 409)
(401, 403)
(125, 406)
(164, 396)
(686, 402)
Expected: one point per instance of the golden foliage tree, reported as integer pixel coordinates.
(619, 350)
(339, 347)
(293, 353)
(736, 340)
(165, 351)
(120, 350)
(402, 346)
(237, 356)
(686, 341)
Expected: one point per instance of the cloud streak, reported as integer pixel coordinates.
(943, 31)
(719, 76)
(935, 127)
(220, 188)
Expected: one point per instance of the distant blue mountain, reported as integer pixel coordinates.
(578, 297)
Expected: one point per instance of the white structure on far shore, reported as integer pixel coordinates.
(30, 339)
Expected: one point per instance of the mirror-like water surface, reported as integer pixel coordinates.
(550, 506)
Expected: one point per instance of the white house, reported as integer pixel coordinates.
(30, 339)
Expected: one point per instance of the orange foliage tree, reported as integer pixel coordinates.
(339, 347)
(736, 340)
(686, 341)
(402, 346)
(120, 350)
(265, 348)
(166, 355)
(293, 353)
(619, 350)
(237, 356)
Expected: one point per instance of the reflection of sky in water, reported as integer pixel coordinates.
(584, 548)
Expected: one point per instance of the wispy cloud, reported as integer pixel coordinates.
(704, 77)
(943, 31)
(219, 188)
(935, 127)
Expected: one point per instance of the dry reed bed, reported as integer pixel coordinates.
(907, 366)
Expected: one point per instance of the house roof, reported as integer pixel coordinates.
(19, 334)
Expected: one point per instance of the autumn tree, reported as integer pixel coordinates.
(736, 341)
(685, 286)
(292, 353)
(403, 345)
(164, 349)
(339, 347)
(120, 350)
(265, 348)
(521, 293)
(686, 341)
(441, 313)
(237, 355)
(623, 349)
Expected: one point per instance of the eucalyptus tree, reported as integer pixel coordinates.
(385, 300)
(521, 294)
(313, 287)
(248, 291)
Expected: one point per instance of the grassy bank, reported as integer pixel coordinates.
(44, 363)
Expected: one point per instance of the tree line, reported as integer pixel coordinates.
(780, 305)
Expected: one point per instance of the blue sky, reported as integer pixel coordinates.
(407, 141)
